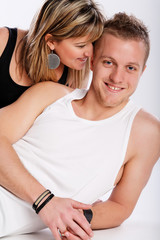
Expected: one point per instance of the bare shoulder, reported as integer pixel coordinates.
(44, 93)
(4, 34)
(50, 88)
(147, 123)
(145, 137)
(21, 34)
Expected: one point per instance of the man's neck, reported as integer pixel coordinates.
(89, 108)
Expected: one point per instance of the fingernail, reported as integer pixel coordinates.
(66, 234)
(91, 234)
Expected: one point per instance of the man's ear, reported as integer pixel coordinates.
(144, 68)
(91, 63)
(49, 41)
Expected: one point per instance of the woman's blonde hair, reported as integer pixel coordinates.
(62, 19)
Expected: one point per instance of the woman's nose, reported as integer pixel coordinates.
(89, 50)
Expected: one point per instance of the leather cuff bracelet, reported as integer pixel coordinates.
(37, 205)
(44, 203)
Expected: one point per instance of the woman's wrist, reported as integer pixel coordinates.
(42, 200)
(34, 190)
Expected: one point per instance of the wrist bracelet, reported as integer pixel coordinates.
(44, 203)
(40, 198)
(88, 214)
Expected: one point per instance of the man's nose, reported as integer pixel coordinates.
(117, 75)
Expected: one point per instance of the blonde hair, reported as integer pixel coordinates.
(62, 19)
(128, 27)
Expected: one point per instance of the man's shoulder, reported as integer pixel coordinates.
(144, 141)
(147, 122)
(145, 134)
(146, 127)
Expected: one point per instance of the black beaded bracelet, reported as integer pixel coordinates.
(44, 203)
(88, 214)
(40, 198)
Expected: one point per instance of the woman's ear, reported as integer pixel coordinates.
(49, 41)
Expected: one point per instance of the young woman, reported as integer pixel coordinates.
(57, 48)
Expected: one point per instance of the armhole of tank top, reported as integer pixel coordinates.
(6, 43)
(7, 46)
(129, 129)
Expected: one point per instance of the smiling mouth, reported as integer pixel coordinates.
(113, 88)
(82, 59)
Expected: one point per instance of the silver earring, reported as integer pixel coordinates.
(53, 60)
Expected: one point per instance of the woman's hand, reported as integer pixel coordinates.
(65, 216)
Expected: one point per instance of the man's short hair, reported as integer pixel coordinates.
(128, 27)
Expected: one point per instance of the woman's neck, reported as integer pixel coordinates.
(59, 71)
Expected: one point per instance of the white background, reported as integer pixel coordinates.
(19, 13)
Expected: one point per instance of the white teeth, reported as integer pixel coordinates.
(114, 88)
(84, 59)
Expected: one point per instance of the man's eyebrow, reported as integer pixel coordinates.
(104, 56)
(134, 63)
(111, 58)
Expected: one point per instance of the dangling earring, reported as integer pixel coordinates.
(53, 60)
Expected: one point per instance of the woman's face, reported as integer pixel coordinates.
(74, 52)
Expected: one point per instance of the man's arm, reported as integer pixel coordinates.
(143, 152)
(15, 121)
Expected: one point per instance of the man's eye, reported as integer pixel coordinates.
(108, 63)
(131, 68)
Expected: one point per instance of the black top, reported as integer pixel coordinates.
(63, 78)
(9, 90)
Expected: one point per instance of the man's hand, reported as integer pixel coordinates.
(63, 215)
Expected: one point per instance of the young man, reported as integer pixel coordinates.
(80, 144)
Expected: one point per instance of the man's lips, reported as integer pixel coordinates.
(114, 88)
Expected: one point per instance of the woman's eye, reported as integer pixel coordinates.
(81, 46)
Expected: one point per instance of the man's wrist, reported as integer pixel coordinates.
(88, 214)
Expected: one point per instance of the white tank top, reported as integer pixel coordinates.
(75, 157)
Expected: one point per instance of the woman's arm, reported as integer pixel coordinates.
(15, 120)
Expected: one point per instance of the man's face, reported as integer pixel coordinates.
(117, 67)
